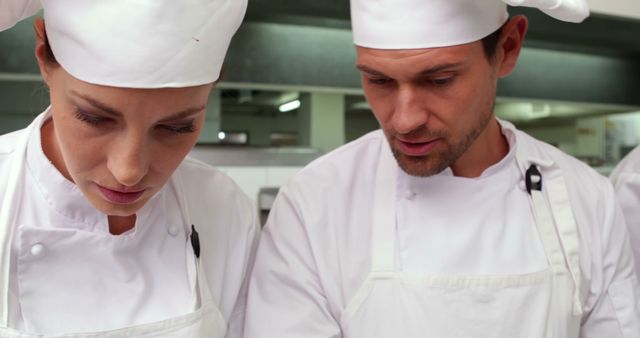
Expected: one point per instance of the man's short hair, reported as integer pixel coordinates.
(490, 43)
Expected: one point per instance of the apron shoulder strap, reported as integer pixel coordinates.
(8, 213)
(554, 215)
(384, 211)
(196, 230)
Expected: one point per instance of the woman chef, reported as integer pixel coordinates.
(105, 228)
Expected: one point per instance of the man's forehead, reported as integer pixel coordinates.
(452, 54)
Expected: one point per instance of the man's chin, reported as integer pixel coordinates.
(422, 166)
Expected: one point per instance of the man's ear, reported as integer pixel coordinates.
(41, 49)
(510, 44)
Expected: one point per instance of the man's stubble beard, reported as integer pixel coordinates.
(445, 154)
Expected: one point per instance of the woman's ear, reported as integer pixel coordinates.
(44, 63)
(510, 44)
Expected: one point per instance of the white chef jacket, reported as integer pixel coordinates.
(464, 236)
(315, 252)
(626, 181)
(69, 274)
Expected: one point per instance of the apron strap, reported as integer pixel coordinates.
(384, 212)
(8, 214)
(546, 228)
(200, 287)
(567, 231)
(554, 218)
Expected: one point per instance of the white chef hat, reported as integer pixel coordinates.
(12, 11)
(137, 44)
(407, 24)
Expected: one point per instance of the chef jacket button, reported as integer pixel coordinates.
(410, 195)
(37, 249)
(523, 185)
(173, 230)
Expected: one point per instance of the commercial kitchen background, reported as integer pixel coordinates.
(291, 93)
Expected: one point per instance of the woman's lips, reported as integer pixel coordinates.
(120, 197)
(416, 148)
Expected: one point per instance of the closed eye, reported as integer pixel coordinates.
(441, 81)
(379, 81)
(178, 128)
(91, 119)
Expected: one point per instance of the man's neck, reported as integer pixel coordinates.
(489, 148)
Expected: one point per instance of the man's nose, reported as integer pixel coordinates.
(410, 113)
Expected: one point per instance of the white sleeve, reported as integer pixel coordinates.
(12, 11)
(237, 318)
(286, 298)
(614, 294)
(627, 186)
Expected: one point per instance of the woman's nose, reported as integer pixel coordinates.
(129, 161)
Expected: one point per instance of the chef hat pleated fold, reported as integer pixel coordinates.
(12, 11)
(141, 43)
(565, 10)
(409, 24)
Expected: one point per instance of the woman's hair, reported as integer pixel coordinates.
(49, 53)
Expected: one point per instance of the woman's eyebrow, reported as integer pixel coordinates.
(100, 105)
(116, 113)
(185, 113)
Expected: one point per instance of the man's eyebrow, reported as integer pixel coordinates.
(100, 105)
(370, 71)
(426, 72)
(112, 111)
(441, 68)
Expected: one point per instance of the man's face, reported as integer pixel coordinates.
(432, 104)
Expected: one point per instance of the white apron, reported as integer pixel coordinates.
(396, 304)
(205, 321)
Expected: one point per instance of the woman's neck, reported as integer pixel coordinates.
(121, 224)
(51, 150)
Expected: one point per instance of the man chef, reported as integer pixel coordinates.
(447, 222)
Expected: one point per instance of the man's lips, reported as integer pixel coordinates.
(412, 148)
(120, 196)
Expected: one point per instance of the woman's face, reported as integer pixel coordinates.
(120, 145)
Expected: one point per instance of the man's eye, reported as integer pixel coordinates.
(441, 81)
(378, 81)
